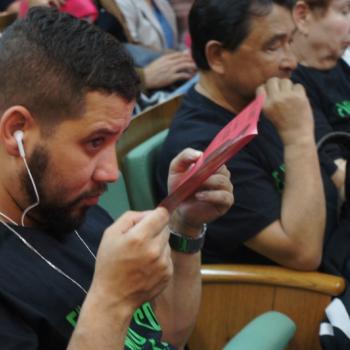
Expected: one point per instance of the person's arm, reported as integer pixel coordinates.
(295, 240)
(134, 264)
(339, 177)
(168, 69)
(178, 305)
(333, 152)
(323, 127)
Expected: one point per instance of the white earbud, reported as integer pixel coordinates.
(19, 139)
(18, 135)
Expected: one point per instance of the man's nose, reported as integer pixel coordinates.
(107, 169)
(289, 61)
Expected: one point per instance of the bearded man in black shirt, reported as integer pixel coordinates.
(243, 48)
(67, 91)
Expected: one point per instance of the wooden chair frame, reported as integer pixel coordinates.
(147, 124)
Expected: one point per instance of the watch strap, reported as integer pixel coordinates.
(186, 244)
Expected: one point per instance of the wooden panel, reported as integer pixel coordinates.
(147, 124)
(306, 309)
(226, 309)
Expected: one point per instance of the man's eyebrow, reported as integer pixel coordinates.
(105, 131)
(279, 37)
(275, 39)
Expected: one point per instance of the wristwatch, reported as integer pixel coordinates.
(185, 244)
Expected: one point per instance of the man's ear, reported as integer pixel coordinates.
(213, 52)
(13, 119)
(302, 15)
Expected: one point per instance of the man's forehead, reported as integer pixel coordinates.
(109, 113)
(109, 107)
(277, 22)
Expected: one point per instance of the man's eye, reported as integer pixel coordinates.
(272, 48)
(97, 142)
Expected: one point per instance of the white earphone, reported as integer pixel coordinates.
(18, 135)
(19, 139)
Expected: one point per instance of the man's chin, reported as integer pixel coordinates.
(60, 226)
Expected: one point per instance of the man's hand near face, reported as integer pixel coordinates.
(296, 239)
(135, 264)
(288, 108)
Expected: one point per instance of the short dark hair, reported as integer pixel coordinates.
(227, 21)
(50, 60)
(321, 5)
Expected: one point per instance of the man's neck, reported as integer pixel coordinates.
(215, 90)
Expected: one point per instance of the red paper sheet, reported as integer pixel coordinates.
(233, 137)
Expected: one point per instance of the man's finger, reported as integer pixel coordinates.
(221, 198)
(184, 159)
(153, 222)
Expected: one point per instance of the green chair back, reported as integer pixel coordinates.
(139, 172)
(115, 200)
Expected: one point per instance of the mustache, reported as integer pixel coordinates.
(96, 191)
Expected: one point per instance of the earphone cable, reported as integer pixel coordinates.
(36, 193)
(8, 218)
(84, 243)
(52, 265)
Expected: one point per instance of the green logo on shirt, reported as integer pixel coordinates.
(72, 317)
(343, 109)
(278, 176)
(144, 318)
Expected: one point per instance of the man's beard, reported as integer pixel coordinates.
(52, 214)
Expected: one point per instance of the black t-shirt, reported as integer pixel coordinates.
(39, 307)
(329, 94)
(257, 173)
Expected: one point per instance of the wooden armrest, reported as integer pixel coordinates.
(274, 275)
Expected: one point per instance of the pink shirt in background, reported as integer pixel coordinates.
(83, 9)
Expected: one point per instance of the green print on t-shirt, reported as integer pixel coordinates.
(144, 318)
(343, 109)
(278, 176)
(72, 317)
